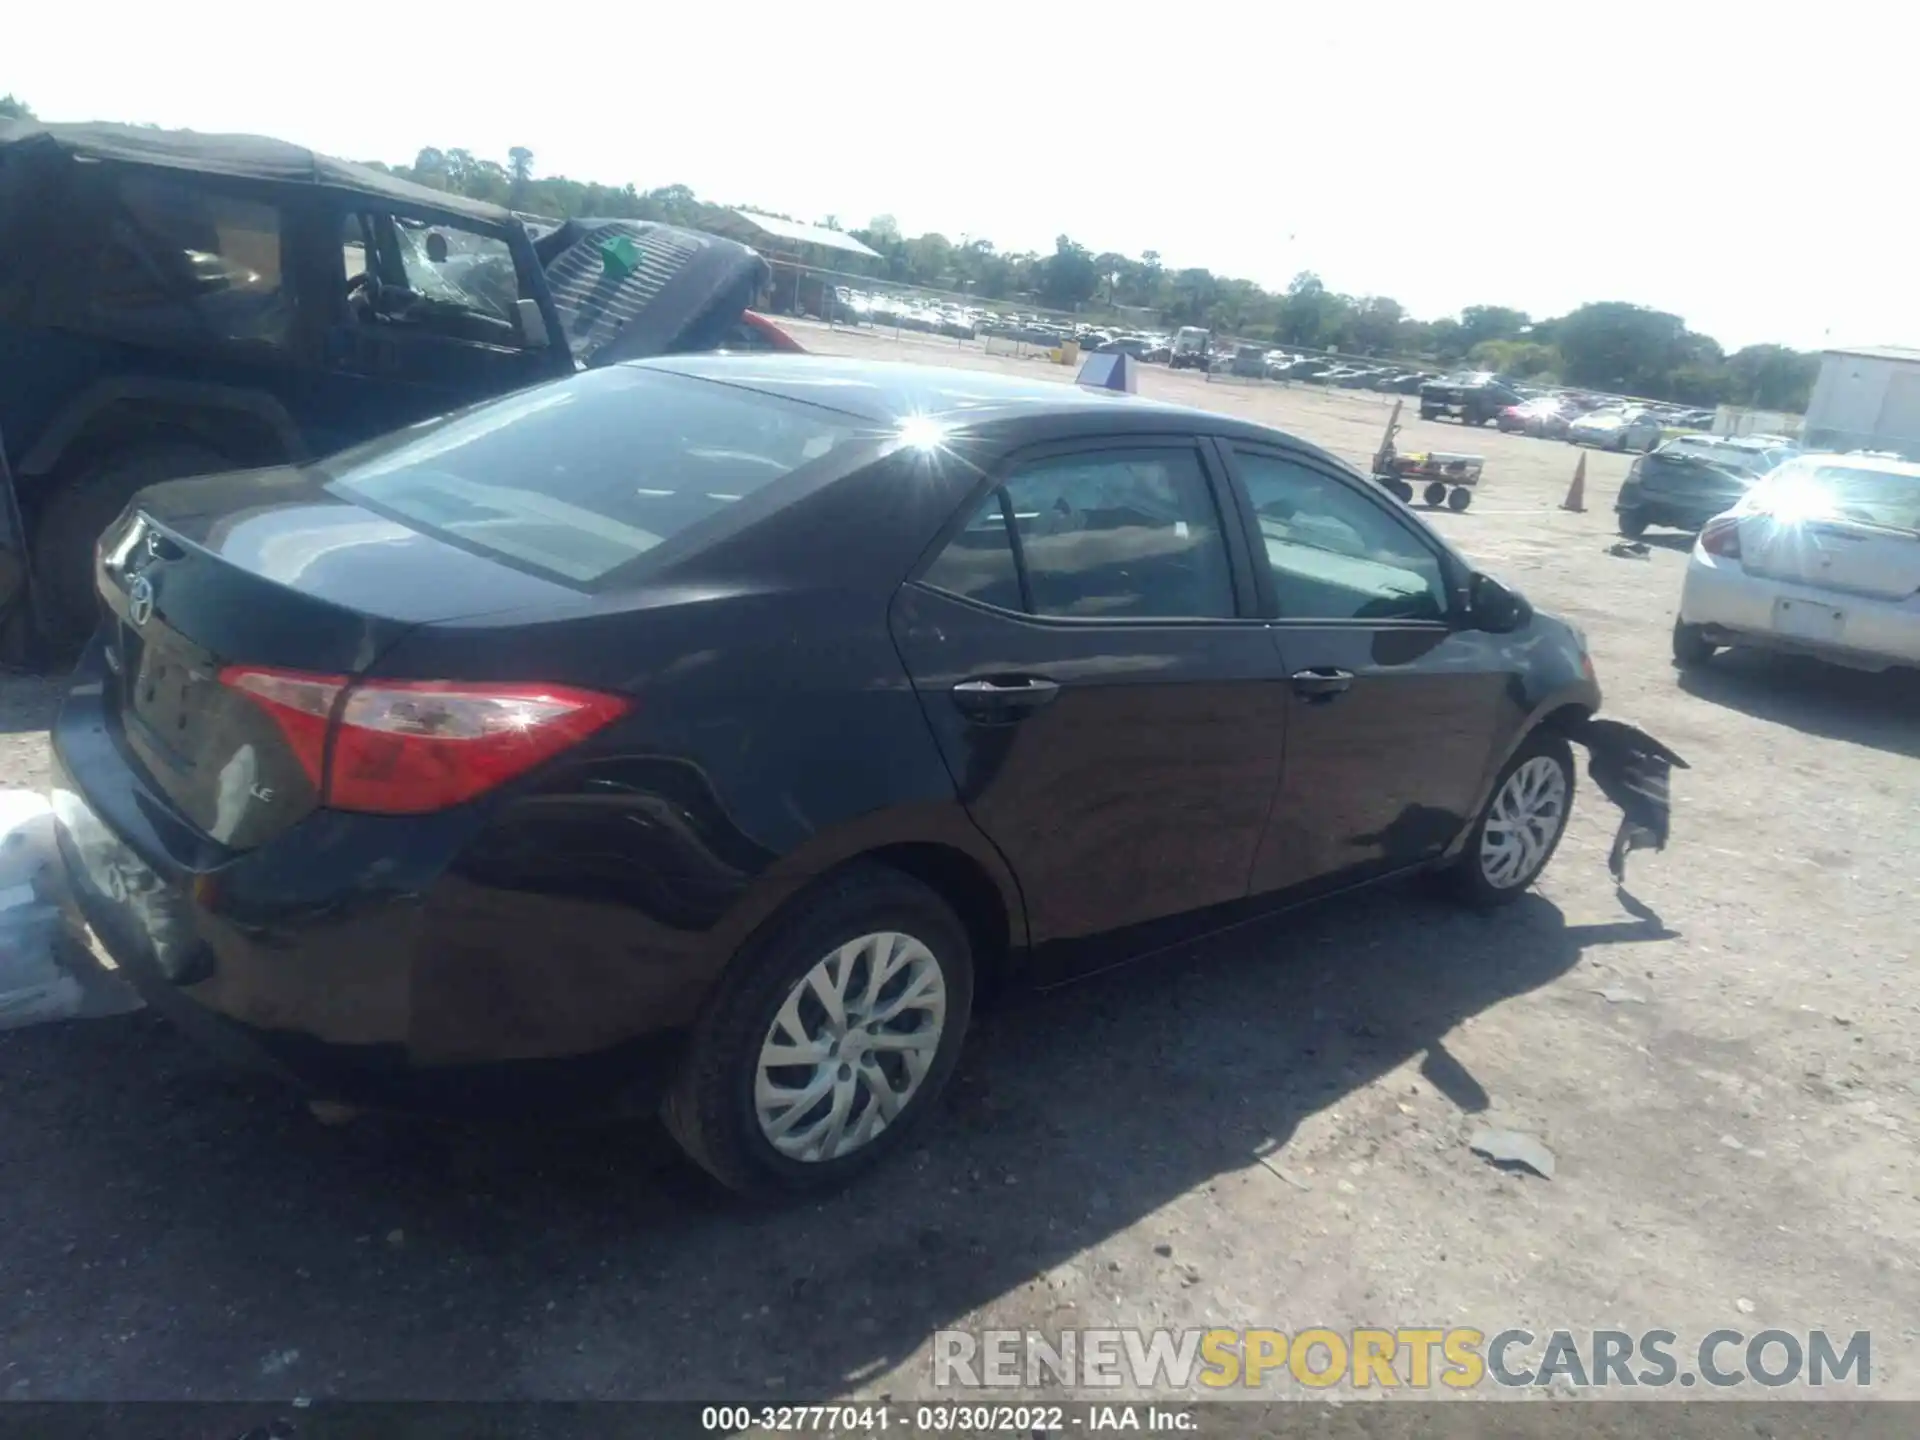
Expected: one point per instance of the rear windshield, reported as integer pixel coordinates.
(1725, 457)
(1808, 489)
(575, 479)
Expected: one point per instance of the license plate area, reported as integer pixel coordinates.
(1806, 620)
(164, 693)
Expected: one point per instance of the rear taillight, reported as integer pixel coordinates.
(1721, 537)
(300, 704)
(404, 747)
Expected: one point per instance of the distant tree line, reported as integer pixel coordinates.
(1610, 345)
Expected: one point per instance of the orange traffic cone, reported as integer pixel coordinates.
(1576, 500)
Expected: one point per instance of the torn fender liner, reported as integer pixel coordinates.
(626, 289)
(1635, 771)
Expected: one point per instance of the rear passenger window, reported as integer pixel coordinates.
(1335, 555)
(1121, 535)
(1114, 535)
(978, 562)
(180, 259)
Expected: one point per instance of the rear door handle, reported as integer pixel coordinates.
(1001, 699)
(1321, 684)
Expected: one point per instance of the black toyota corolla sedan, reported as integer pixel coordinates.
(705, 732)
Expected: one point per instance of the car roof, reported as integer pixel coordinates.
(1737, 442)
(887, 392)
(247, 157)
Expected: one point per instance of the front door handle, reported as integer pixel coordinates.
(1321, 684)
(1001, 699)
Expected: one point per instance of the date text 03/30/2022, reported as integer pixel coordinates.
(963, 1419)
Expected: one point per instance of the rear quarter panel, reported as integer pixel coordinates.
(774, 736)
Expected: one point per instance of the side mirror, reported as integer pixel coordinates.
(1494, 608)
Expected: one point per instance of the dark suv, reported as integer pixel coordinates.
(174, 303)
(1475, 397)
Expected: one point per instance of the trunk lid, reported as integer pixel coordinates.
(1838, 555)
(264, 570)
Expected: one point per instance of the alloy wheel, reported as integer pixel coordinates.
(1523, 822)
(849, 1047)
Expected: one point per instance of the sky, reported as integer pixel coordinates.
(1749, 170)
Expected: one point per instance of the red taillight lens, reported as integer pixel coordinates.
(405, 747)
(1722, 538)
(409, 747)
(300, 704)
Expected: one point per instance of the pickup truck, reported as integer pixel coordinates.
(1474, 397)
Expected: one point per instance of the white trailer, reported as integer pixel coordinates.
(1866, 399)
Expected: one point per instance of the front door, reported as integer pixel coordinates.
(1111, 709)
(425, 321)
(1393, 708)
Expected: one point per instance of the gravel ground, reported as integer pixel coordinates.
(1267, 1130)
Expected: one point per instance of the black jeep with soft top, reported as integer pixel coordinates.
(174, 303)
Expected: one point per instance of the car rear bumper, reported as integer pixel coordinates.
(1676, 510)
(1736, 608)
(350, 958)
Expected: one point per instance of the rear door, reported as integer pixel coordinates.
(1086, 650)
(1393, 709)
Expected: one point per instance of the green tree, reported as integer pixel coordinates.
(1490, 322)
(519, 175)
(1522, 359)
(1629, 349)
(1068, 277)
(1771, 377)
(12, 108)
(1305, 312)
(1374, 325)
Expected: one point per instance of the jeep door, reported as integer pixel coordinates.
(425, 319)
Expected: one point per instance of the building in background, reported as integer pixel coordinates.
(1866, 399)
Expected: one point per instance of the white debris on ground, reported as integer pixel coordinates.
(36, 982)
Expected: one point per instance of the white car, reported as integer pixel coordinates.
(1617, 430)
(1821, 557)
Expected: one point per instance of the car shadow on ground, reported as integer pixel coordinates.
(1680, 542)
(182, 1229)
(28, 702)
(1878, 710)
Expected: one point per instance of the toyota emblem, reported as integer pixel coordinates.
(140, 600)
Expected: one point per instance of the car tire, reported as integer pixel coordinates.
(1459, 498)
(83, 505)
(1632, 524)
(711, 1109)
(1691, 647)
(1435, 494)
(1479, 880)
(1429, 414)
